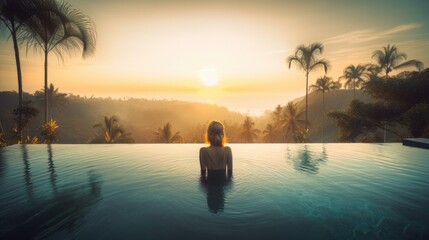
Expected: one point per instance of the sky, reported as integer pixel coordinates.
(229, 53)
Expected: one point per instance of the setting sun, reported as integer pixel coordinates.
(209, 76)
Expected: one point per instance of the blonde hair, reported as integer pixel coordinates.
(215, 135)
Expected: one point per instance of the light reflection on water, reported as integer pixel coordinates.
(154, 191)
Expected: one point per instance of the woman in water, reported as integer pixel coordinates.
(216, 159)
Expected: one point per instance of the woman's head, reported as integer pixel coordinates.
(215, 134)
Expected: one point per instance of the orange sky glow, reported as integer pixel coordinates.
(230, 54)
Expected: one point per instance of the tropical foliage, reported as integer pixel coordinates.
(269, 133)
(3, 141)
(354, 77)
(305, 58)
(56, 100)
(291, 122)
(399, 103)
(389, 59)
(30, 140)
(323, 85)
(23, 116)
(248, 132)
(110, 132)
(57, 27)
(49, 131)
(165, 135)
(13, 15)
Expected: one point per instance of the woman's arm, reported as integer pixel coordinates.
(202, 162)
(229, 159)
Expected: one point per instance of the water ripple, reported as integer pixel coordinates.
(323, 191)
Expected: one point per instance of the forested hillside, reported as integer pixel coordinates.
(141, 117)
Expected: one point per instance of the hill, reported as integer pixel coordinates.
(140, 117)
(335, 100)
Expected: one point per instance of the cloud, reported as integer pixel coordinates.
(367, 35)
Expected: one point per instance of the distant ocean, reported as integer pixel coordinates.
(251, 103)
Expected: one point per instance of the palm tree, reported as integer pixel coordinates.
(372, 70)
(277, 115)
(57, 27)
(55, 98)
(354, 77)
(305, 59)
(390, 59)
(248, 132)
(269, 133)
(165, 135)
(291, 121)
(13, 15)
(324, 84)
(111, 132)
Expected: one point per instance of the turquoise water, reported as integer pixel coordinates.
(154, 191)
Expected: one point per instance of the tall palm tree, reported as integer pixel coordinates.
(110, 132)
(165, 135)
(291, 122)
(13, 15)
(390, 59)
(56, 100)
(324, 84)
(269, 133)
(58, 28)
(305, 58)
(248, 131)
(354, 77)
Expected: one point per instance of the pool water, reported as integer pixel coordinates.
(154, 191)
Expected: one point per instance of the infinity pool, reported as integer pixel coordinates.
(154, 191)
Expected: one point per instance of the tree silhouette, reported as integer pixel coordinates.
(165, 135)
(58, 28)
(277, 115)
(56, 100)
(291, 122)
(111, 132)
(269, 133)
(324, 84)
(389, 59)
(305, 58)
(13, 15)
(23, 114)
(248, 132)
(354, 77)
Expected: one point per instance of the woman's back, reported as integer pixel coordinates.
(216, 158)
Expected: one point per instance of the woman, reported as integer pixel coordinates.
(216, 159)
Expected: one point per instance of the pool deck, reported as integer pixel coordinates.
(416, 142)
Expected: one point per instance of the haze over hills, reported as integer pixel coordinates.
(141, 117)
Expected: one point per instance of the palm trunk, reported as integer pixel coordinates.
(46, 83)
(323, 117)
(384, 130)
(354, 90)
(306, 100)
(18, 71)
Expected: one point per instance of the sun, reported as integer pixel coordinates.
(209, 76)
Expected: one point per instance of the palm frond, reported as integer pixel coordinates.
(411, 63)
(320, 63)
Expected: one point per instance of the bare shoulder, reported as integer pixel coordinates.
(203, 149)
(228, 149)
